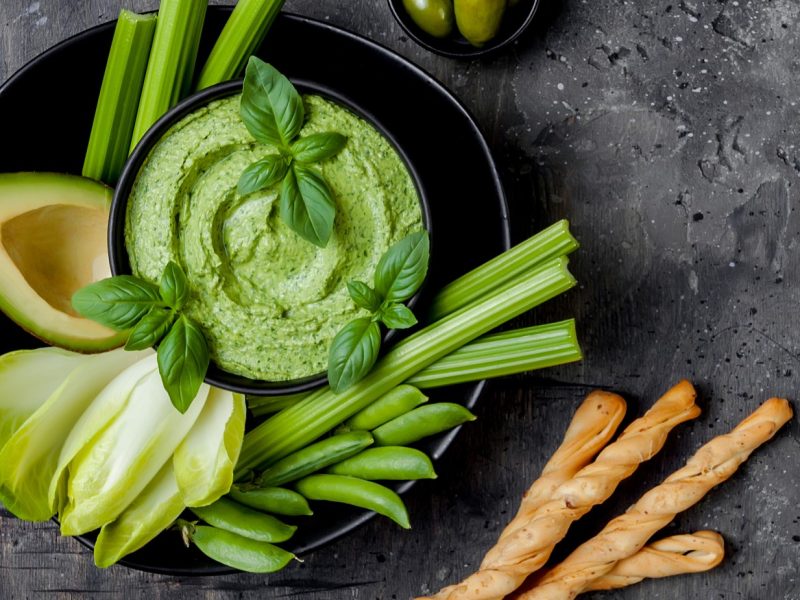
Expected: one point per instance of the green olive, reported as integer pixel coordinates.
(434, 17)
(479, 20)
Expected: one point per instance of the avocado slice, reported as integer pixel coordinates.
(52, 243)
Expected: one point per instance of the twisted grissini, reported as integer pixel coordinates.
(674, 555)
(592, 426)
(624, 536)
(527, 548)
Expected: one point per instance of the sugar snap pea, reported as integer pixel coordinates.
(232, 516)
(239, 552)
(388, 463)
(275, 500)
(356, 492)
(420, 423)
(397, 402)
(314, 457)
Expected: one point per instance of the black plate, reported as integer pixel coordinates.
(46, 111)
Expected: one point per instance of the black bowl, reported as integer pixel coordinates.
(515, 21)
(118, 254)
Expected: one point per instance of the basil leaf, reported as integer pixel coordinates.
(174, 288)
(403, 267)
(262, 174)
(353, 352)
(151, 329)
(271, 108)
(398, 316)
(364, 296)
(307, 206)
(318, 146)
(182, 362)
(117, 302)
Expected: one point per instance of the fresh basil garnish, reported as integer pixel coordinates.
(399, 274)
(174, 288)
(272, 111)
(318, 146)
(151, 329)
(263, 174)
(118, 302)
(124, 302)
(183, 360)
(397, 316)
(353, 353)
(364, 296)
(402, 269)
(271, 107)
(307, 205)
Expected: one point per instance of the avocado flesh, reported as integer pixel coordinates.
(52, 243)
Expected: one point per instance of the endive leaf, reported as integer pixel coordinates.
(148, 515)
(108, 403)
(107, 475)
(27, 379)
(29, 459)
(205, 460)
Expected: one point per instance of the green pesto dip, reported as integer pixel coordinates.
(268, 301)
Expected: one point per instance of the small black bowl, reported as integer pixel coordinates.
(118, 255)
(515, 21)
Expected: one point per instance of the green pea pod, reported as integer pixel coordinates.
(240, 552)
(232, 516)
(388, 463)
(356, 492)
(275, 500)
(399, 401)
(317, 456)
(420, 423)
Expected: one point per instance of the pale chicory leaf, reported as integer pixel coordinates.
(108, 473)
(205, 460)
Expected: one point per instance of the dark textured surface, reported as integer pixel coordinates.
(667, 133)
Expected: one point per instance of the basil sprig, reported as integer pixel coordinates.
(153, 316)
(398, 276)
(273, 112)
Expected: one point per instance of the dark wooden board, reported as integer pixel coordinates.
(668, 133)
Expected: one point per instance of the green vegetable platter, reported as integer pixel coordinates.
(310, 467)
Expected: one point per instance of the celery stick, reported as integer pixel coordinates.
(494, 355)
(265, 405)
(242, 35)
(503, 354)
(304, 422)
(552, 242)
(170, 68)
(115, 115)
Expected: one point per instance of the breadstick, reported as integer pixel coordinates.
(592, 426)
(624, 536)
(527, 548)
(674, 555)
(590, 429)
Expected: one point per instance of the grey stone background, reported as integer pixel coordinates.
(667, 132)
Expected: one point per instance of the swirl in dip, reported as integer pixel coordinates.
(268, 301)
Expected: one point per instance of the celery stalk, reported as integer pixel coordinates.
(494, 355)
(503, 354)
(110, 139)
(552, 242)
(242, 35)
(170, 68)
(265, 405)
(296, 426)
